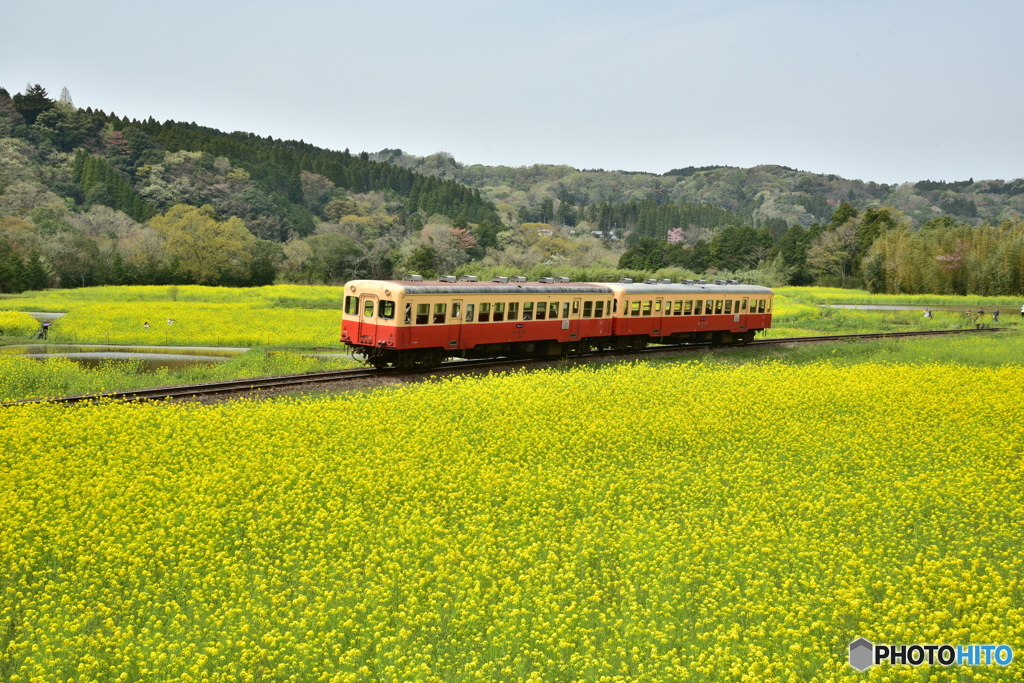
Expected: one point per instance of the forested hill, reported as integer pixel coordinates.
(760, 194)
(136, 166)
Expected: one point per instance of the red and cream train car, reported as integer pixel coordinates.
(410, 324)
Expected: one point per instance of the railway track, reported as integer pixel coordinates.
(452, 367)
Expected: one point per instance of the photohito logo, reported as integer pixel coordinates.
(864, 654)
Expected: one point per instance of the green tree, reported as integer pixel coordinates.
(207, 250)
(33, 102)
(647, 254)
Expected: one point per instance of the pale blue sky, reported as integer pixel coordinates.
(885, 91)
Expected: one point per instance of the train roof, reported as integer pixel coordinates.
(690, 289)
(424, 288)
(428, 288)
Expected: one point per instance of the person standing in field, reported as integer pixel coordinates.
(995, 316)
(1022, 311)
(927, 312)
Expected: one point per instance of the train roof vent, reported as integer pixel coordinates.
(664, 281)
(734, 282)
(517, 278)
(700, 282)
(413, 277)
(721, 282)
(469, 278)
(546, 280)
(447, 278)
(562, 279)
(649, 281)
(686, 282)
(499, 279)
(626, 281)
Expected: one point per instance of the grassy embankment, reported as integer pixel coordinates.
(286, 318)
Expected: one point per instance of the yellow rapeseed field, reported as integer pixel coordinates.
(17, 324)
(633, 523)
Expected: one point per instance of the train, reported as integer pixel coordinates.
(415, 324)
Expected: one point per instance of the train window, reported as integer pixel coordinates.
(575, 306)
(499, 313)
(485, 313)
(387, 309)
(677, 309)
(588, 309)
(769, 309)
(368, 308)
(616, 304)
(609, 309)
(760, 305)
(439, 311)
(718, 307)
(736, 307)
(542, 310)
(728, 307)
(598, 309)
(709, 305)
(528, 310)
(408, 313)
(657, 306)
(744, 309)
(647, 307)
(456, 310)
(625, 307)
(697, 307)
(422, 314)
(352, 305)
(513, 311)
(553, 310)
(469, 312)
(634, 308)
(565, 309)
(688, 308)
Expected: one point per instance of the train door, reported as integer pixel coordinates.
(659, 311)
(455, 325)
(742, 312)
(368, 319)
(574, 320)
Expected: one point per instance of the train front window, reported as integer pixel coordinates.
(485, 313)
(470, 310)
(542, 310)
(387, 310)
(688, 308)
(499, 313)
(368, 308)
(422, 314)
(439, 313)
(352, 305)
(598, 309)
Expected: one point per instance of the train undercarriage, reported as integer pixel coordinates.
(424, 359)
